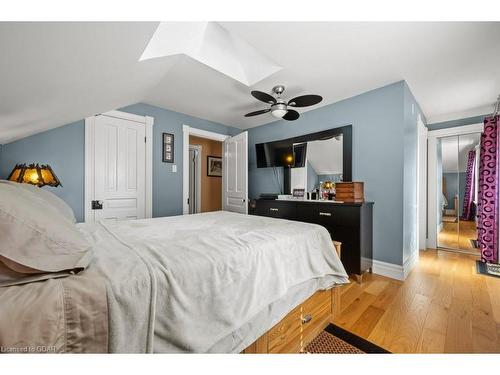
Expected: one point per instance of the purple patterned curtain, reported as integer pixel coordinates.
(487, 207)
(467, 210)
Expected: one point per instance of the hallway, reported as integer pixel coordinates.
(444, 306)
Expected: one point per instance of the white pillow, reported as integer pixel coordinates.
(35, 237)
(50, 198)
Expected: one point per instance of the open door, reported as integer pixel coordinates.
(235, 174)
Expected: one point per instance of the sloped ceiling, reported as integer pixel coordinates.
(55, 73)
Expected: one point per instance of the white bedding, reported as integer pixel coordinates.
(210, 282)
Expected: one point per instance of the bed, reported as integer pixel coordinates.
(217, 282)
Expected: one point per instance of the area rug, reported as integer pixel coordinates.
(335, 340)
(450, 219)
(490, 269)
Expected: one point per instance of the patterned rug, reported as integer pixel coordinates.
(490, 269)
(335, 340)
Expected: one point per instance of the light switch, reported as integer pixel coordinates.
(174, 168)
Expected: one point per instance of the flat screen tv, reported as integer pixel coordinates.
(280, 154)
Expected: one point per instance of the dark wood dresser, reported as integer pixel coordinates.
(349, 223)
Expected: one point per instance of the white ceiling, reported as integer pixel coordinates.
(55, 73)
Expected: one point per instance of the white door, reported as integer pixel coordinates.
(235, 174)
(422, 186)
(120, 169)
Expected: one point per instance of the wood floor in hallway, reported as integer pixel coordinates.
(443, 306)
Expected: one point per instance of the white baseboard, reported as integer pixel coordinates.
(395, 271)
(410, 264)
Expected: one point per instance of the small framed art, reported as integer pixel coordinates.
(168, 148)
(214, 166)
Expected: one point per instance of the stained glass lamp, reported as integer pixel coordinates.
(35, 174)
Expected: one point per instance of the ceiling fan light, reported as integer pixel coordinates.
(279, 113)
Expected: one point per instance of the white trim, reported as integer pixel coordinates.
(150, 121)
(432, 177)
(421, 185)
(186, 132)
(89, 169)
(126, 116)
(90, 166)
(396, 271)
(410, 264)
(457, 130)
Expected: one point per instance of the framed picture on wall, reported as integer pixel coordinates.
(168, 148)
(214, 166)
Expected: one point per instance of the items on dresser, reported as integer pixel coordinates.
(350, 192)
(348, 223)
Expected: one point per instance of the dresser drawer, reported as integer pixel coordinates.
(316, 312)
(284, 337)
(327, 214)
(275, 208)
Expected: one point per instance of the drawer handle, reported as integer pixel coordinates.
(273, 209)
(307, 318)
(325, 214)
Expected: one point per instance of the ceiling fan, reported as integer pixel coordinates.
(280, 107)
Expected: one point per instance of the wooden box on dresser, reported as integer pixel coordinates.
(349, 223)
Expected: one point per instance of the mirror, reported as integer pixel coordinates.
(458, 181)
(323, 163)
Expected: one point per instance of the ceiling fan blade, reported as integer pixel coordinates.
(263, 97)
(259, 112)
(291, 115)
(305, 100)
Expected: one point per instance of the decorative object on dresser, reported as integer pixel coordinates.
(168, 148)
(349, 223)
(350, 192)
(34, 174)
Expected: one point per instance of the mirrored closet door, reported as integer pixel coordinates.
(457, 163)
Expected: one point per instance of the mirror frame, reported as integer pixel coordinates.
(345, 131)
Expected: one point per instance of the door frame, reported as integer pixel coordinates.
(198, 177)
(432, 178)
(186, 132)
(421, 185)
(148, 122)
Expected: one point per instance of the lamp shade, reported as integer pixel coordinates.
(35, 174)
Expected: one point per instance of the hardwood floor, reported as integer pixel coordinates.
(443, 306)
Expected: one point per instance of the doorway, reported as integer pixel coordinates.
(194, 178)
(456, 178)
(205, 187)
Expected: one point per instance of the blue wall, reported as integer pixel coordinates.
(454, 123)
(63, 149)
(378, 124)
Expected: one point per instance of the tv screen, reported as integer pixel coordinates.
(274, 154)
(281, 154)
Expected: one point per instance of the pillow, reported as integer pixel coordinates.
(36, 239)
(49, 198)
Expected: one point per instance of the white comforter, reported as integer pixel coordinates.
(210, 282)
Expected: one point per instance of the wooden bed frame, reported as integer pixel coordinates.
(300, 326)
